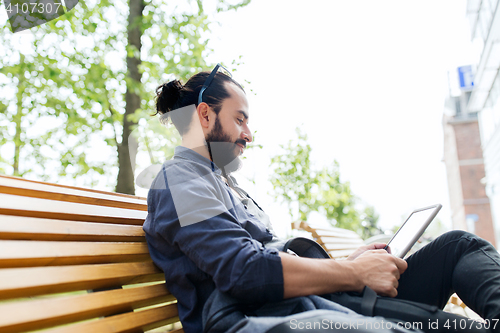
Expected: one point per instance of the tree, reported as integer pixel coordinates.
(105, 58)
(305, 189)
(34, 90)
(369, 222)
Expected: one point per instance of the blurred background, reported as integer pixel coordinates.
(362, 111)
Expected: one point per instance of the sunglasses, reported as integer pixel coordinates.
(210, 79)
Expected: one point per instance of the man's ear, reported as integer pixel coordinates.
(203, 112)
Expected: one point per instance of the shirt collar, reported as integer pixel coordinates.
(181, 152)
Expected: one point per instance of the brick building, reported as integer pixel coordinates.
(463, 157)
(484, 19)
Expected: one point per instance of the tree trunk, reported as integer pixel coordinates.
(17, 120)
(127, 152)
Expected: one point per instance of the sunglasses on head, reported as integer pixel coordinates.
(210, 79)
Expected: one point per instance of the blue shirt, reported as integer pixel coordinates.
(203, 238)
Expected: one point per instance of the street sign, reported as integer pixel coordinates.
(466, 77)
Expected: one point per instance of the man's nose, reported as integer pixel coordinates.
(247, 135)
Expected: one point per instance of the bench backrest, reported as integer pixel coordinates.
(77, 258)
(339, 243)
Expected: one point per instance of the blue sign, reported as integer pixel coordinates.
(466, 77)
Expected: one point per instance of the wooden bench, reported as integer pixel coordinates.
(76, 260)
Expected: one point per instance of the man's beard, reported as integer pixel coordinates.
(223, 152)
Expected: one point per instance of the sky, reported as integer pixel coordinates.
(366, 80)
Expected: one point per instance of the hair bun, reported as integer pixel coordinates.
(168, 95)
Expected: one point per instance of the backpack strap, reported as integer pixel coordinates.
(368, 301)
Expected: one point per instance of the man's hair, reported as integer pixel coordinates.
(173, 95)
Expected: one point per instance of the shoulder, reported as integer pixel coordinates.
(188, 192)
(182, 180)
(177, 172)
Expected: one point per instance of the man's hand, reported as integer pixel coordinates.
(379, 270)
(365, 248)
(368, 266)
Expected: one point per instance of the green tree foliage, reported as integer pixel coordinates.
(306, 189)
(35, 91)
(89, 77)
(369, 223)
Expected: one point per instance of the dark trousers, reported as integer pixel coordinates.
(455, 262)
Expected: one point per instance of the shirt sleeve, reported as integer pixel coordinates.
(215, 240)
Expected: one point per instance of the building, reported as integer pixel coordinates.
(484, 19)
(463, 157)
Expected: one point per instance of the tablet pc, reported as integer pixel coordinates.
(411, 230)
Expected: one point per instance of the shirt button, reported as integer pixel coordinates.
(245, 206)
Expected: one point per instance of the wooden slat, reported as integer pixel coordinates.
(21, 183)
(341, 240)
(75, 217)
(344, 241)
(326, 233)
(32, 281)
(353, 236)
(337, 247)
(320, 232)
(44, 208)
(47, 253)
(44, 313)
(71, 198)
(340, 254)
(128, 322)
(344, 233)
(25, 228)
(454, 299)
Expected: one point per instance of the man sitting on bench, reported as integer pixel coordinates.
(205, 233)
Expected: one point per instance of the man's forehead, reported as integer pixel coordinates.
(237, 96)
(234, 90)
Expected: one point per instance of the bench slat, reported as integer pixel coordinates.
(128, 322)
(46, 253)
(20, 227)
(44, 208)
(336, 247)
(347, 235)
(26, 185)
(348, 241)
(71, 198)
(45, 313)
(331, 231)
(32, 281)
(337, 254)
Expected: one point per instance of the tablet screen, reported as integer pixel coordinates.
(411, 230)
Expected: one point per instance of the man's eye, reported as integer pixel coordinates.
(240, 121)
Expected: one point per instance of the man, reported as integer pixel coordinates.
(201, 233)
